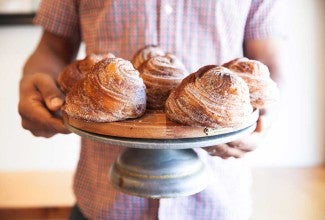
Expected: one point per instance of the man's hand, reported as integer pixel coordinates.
(40, 98)
(39, 105)
(268, 51)
(238, 148)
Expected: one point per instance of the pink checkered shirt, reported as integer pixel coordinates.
(199, 33)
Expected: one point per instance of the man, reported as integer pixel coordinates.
(197, 32)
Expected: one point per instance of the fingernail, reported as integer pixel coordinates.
(56, 102)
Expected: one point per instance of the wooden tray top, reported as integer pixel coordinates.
(152, 125)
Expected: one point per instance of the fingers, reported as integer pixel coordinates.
(225, 151)
(35, 114)
(236, 149)
(260, 124)
(51, 94)
(39, 121)
(39, 130)
(245, 146)
(264, 121)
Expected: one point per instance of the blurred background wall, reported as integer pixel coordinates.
(295, 140)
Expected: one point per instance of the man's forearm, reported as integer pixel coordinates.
(51, 55)
(269, 52)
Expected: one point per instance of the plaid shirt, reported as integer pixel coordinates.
(199, 33)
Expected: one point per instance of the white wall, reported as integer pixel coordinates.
(295, 140)
(19, 150)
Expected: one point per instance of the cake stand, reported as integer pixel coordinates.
(159, 160)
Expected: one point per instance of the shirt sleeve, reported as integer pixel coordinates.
(59, 17)
(265, 20)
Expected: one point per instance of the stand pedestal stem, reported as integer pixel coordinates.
(159, 173)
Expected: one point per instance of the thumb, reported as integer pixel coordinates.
(50, 93)
(55, 103)
(263, 123)
(260, 124)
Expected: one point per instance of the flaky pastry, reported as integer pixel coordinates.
(112, 91)
(145, 54)
(78, 69)
(263, 90)
(211, 97)
(160, 75)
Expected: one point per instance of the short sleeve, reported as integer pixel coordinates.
(265, 20)
(59, 17)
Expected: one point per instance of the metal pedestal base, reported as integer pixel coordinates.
(156, 168)
(159, 173)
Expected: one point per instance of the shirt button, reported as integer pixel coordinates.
(168, 9)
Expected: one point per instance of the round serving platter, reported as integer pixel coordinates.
(158, 161)
(155, 131)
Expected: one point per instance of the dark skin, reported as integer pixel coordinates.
(268, 51)
(41, 99)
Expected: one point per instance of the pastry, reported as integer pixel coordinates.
(146, 53)
(111, 91)
(263, 90)
(160, 75)
(211, 97)
(77, 70)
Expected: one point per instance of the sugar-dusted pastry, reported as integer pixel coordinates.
(211, 97)
(161, 74)
(146, 53)
(77, 70)
(263, 90)
(111, 91)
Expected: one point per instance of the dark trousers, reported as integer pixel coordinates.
(76, 214)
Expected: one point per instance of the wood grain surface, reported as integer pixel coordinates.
(152, 125)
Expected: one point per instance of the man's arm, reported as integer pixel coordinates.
(269, 52)
(40, 98)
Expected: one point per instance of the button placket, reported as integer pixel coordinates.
(152, 23)
(168, 9)
(166, 25)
